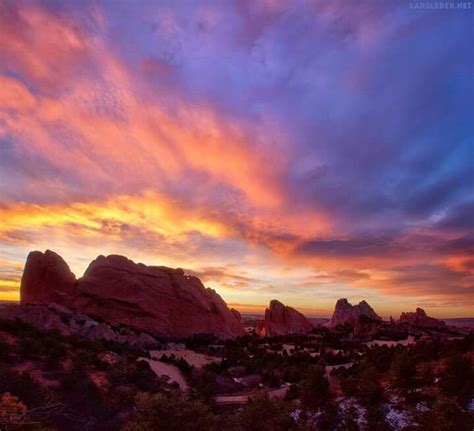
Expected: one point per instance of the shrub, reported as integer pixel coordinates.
(263, 414)
(170, 412)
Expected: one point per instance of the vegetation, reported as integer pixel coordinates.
(50, 382)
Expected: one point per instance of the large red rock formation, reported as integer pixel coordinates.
(160, 300)
(420, 318)
(346, 313)
(46, 278)
(281, 320)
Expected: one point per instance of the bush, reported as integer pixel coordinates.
(457, 379)
(4, 352)
(446, 415)
(170, 412)
(404, 371)
(263, 414)
(370, 391)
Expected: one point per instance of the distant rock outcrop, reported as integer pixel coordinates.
(281, 320)
(346, 313)
(421, 319)
(362, 320)
(156, 299)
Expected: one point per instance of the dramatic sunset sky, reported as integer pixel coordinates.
(303, 150)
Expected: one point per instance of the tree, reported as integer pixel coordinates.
(427, 376)
(404, 371)
(348, 420)
(376, 418)
(12, 411)
(263, 414)
(170, 412)
(457, 379)
(370, 391)
(14, 415)
(329, 418)
(350, 386)
(315, 388)
(446, 415)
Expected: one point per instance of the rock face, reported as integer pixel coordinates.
(159, 300)
(365, 326)
(46, 278)
(236, 314)
(346, 313)
(420, 318)
(281, 320)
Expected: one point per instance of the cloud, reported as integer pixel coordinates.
(314, 144)
(112, 217)
(10, 276)
(459, 218)
(435, 280)
(141, 140)
(347, 247)
(219, 273)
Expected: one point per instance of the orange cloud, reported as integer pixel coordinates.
(10, 275)
(68, 101)
(87, 116)
(148, 211)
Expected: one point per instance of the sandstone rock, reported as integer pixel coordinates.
(158, 300)
(346, 313)
(281, 320)
(237, 315)
(420, 318)
(365, 327)
(46, 278)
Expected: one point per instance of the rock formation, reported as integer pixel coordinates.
(346, 313)
(421, 319)
(46, 278)
(236, 314)
(159, 300)
(281, 320)
(365, 326)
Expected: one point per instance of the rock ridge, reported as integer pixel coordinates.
(421, 319)
(160, 300)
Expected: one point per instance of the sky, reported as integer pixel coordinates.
(303, 150)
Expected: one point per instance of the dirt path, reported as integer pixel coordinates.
(162, 369)
(244, 398)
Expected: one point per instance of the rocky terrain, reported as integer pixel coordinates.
(60, 319)
(155, 299)
(281, 320)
